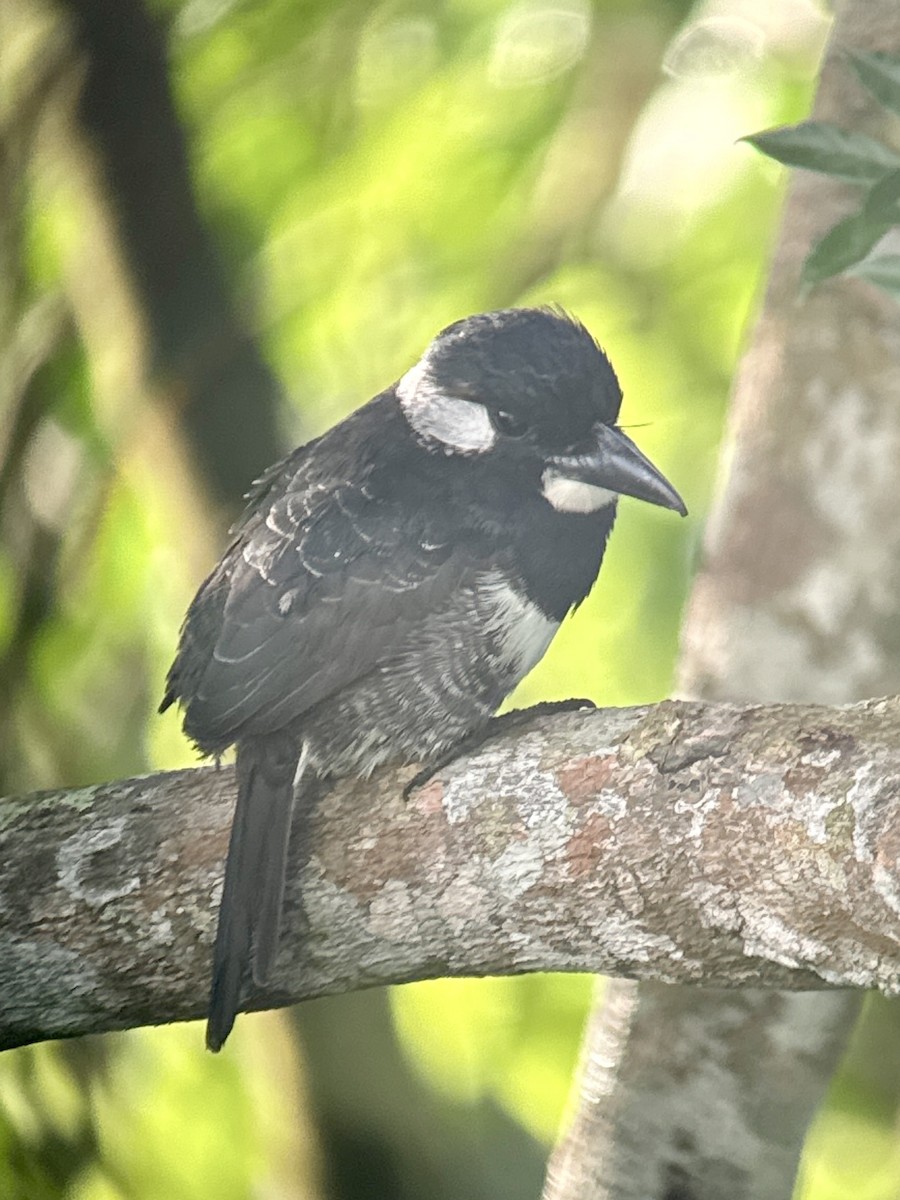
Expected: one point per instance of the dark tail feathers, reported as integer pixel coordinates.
(250, 912)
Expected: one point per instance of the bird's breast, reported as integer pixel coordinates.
(559, 558)
(443, 682)
(516, 628)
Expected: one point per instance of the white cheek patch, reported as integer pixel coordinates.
(463, 426)
(573, 495)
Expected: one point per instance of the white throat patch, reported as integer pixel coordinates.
(462, 426)
(573, 495)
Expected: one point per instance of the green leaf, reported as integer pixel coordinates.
(881, 75)
(883, 271)
(848, 242)
(820, 146)
(882, 205)
(842, 247)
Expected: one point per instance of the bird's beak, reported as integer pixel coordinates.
(612, 461)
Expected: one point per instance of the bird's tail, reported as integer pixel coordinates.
(252, 894)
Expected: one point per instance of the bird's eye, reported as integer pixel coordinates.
(508, 424)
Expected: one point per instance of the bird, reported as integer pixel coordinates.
(390, 583)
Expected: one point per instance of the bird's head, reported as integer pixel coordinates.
(532, 389)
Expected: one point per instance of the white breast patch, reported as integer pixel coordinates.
(523, 630)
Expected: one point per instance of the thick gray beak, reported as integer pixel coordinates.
(612, 461)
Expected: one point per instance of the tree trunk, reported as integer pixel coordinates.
(701, 1095)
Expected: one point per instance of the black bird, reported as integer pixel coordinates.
(393, 580)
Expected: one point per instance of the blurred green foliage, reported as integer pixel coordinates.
(371, 173)
(156, 1120)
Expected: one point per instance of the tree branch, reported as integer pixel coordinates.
(683, 842)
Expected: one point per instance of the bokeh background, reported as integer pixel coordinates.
(223, 224)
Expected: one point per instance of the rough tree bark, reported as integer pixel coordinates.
(707, 1096)
(684, 842)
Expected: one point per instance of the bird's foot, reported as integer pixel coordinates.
(494, 728)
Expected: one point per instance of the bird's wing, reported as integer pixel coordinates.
(319, 586)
